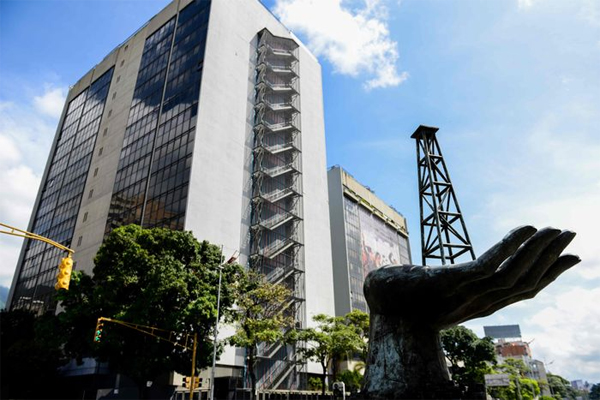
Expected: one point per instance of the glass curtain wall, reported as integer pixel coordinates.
(371, 244)
(57, 211)
(152, 179)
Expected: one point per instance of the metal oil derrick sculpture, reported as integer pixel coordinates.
(443, 231)
(410, 304)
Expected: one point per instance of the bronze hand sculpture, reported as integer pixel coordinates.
(409, 305)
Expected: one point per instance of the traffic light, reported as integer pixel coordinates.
(187, 382)
(64, 273)
(98, 332)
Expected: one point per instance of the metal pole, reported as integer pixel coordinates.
(192, 380)
(214, 360)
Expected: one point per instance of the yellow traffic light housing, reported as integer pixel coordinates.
(98, 332)
(64, 273)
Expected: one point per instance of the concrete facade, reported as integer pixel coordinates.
(219, 192)
(361, 223)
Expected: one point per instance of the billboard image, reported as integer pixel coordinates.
(380, 244)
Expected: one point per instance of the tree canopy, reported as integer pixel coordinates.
(30, 354)
(153, 277)
(595, 392)
(468, 354)
(333, 338)
(262, 317)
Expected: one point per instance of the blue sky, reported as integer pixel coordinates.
(513, 85)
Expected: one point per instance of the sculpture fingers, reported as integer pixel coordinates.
(450, 278)
(520, 274)
(519, 263)
(515, 264)
(489, 261)
(561, 265)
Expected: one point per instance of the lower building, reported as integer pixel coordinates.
(366, 234)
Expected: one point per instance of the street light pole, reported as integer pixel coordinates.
(231, 260)
(216, 332)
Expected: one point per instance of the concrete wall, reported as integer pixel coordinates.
(219, 197)
(341, 276)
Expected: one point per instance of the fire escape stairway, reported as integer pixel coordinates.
(277, 220)
(277, 170)
(277, 247)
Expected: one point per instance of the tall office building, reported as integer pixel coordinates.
(366, 234)
(210, 119)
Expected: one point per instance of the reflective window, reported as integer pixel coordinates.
(371, 244)
(57, 211)
(154, 168)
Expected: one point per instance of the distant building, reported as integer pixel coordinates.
(366, 234)
(581, 385)
(508, 344)
(503, 331)
(513, 349)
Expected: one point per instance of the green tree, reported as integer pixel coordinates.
(315, 383)
(519, 383)
(529, 388)
(469, 355)
(30, 354)
(154, 277)
(262, 317)
(353, 379)
(561, 387)
(595, 392)
(359, 321)
(331, 339)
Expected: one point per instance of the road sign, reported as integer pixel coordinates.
(497, 380)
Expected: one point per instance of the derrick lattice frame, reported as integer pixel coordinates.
(276, 238)
(444, 233)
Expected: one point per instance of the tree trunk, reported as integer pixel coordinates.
(405, 361)
(323, 377)
(251, 367)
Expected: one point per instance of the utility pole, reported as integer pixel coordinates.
(443, 231)
(231, 260)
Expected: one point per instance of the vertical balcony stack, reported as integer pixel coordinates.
(276, 227)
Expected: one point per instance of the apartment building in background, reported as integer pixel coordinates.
(508, 343)
(209, 118)
(366, 234)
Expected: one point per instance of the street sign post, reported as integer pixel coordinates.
(497, 380)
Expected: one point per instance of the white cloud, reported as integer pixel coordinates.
(525, 4)
(51, 102)
(26, 132)
(355, 40)
(567, 334)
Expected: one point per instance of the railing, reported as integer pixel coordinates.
(277, 246)
(277, 219)
(278, 194)
(285, 69)
(278, 52)
(279, 87)
(279, 126)
(279, 274)
(279, 147)
(278, 169)
(283, 106)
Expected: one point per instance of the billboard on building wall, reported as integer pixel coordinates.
(380, 244)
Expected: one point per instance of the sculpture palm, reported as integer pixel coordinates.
(410, 304)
